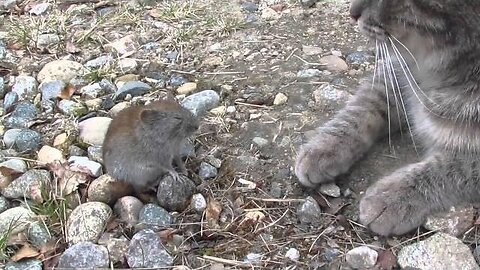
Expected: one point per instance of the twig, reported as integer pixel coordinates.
(276, 200)
(226, 261)
(251, 105)
(224, 73)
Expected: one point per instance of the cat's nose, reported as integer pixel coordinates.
(356, 8)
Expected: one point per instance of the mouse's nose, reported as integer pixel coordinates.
(356, 9)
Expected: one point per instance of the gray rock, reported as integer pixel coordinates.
(157, 78)
(260, 142)
(199, 203)
(147, 251)
(249, 6)
(361, 257)
(177, 80)
(38, 234)
(128, 209)
(93, 130)
(207, 171)
(23, 113)
(28, 264)
(201, 102)
(108, 190)
(331, 254)
(150, 46)
(8, 4)
(72, 108)
(87, 222)
(328, 95)
(92, 91)
(84, 255)
(133, 88)
(4, 204)
(74, 150)
(27, 140)
(9, 137)
(308, 3)
(454, 222)
(51, 89)
(92, 167)
(253, 258)
(26, 87)
(9, 100)
(39, 9)
(100, 62)
(127, 65)
(330, 189)
(117, 247)
(45, 40)
(309, 212)
(309, 73)
(15, 220)
(95, 153)
(174, 194)
(108, 86)
(334, 63)
(24, 185)
(3, 89)
(15, 165)
(154, 217)
(63, 70)
(292, 254)
(358, 58)
(440, 251)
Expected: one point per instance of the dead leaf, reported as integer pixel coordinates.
(155, 13)
(212, 212)
(167, 235)
(25, 251)
(386, 260)
(67, 179)
(67, 92)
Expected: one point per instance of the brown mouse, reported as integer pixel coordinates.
(143, 142)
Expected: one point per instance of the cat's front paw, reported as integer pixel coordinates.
(393, 205)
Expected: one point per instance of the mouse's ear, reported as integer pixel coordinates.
(151, 116)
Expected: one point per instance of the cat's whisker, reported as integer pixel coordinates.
(405, 47)
(384, 71)
(376, 64)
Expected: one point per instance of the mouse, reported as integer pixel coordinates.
(143, 143)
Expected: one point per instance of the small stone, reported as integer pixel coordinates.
(174, 194)
(9, 137)
(93, 130)
(328, 95)
(38, 234)
(269, 14)
(128, 209)
(27, 264)
(15, 166)
(106, 189)
(308, 3)
(87, 222)
(187, 88)
(253, 258)
(85, 164)
(311, 50)
(39, 9)
(292, 254)
(440, 251)
(15, 220)
(27, 140)
(361, 257)
(100, 61)
(219, 111)
(92, 91)
(147, 251)
(454, 222)
(118, 108)
(72, 108)
(9, 100)
(330, 189)
(93, 104)
(358, 58)
(260, 142)
(127, 65)
(45, 40)
(201, 102)
(212, 61)
(331, 254)
(309, 212)
(133, 88)
(249, 6)
(84, 255)
(215, 162)
(27, 185)
(122, 46)
(95, 153)
(117, 247)
(280, 99)
(309, 73)
(26, 87)
(48, 154)
(62, 70)
(334, 63)
(21, 116)
(4, 204)
(207, 171)
(51, 90)
(74, 150)
(154, 217)
(198, 202)
(177, 80)
(231, 109)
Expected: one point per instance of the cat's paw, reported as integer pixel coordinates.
(393, 206)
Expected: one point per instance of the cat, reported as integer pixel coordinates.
(426, 79)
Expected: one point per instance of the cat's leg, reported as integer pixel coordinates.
(177, 161)
(401, 201)
(337, 145)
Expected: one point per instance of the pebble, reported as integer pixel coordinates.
(334, 63)
(74, 150)
(117, 247)
(48, 154)
(85, 164)
(51, 90)
(27, 185)
(9, 100)
(62, 70)
(84, 255)
(454, 222)
(38, 234)
(39, 9)
(107, 190)
(219, 111)
(174, 194)
(249, 6)
(133, 88)
(358, 58)
(187, 88)
(215, 162)
(92, 91)
(108, 86)
(118, 108)
(15, 220)
(99, 62)
(361, 257)
(260, 142)
(207, 171)
(128, 209)
(9, 137)
(309, 73)
(268, 14)
(95, 153)
(26, 87)
(198, 203)
(177, 80)
(331, 254)
(93, 130)
(147, 251)
(72, 108)
(27, 140)
(4, 204)
(280, 99)
(20, 117)
(26, 264)
(201, 102)
(122, 46)
(327, 95)
(87, 222)
(330, 189)
(127, 65)
(440, 251)
(8, 4)
(253, 258)
(309, 212)
(14, 165)
(311, 50)
(308, 3)
(45, 40)
(292, 254)
(154, 217)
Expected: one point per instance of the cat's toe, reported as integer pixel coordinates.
(308, 168)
